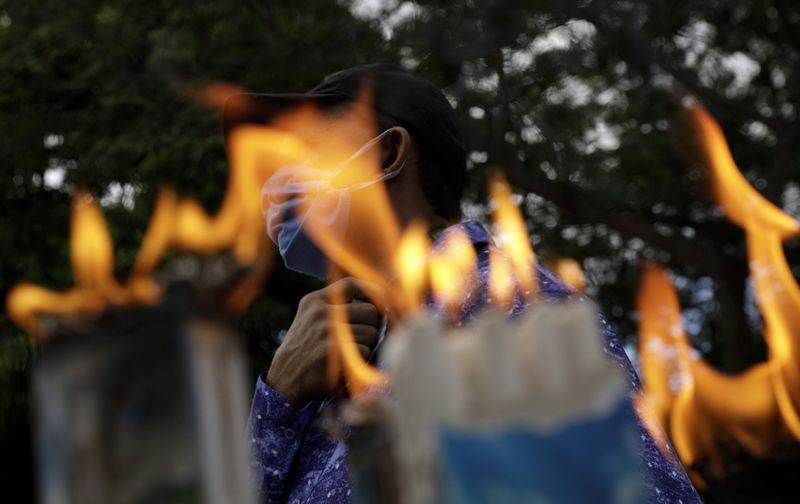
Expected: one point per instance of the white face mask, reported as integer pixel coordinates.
(296, 195)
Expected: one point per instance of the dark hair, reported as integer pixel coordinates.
(445, 199)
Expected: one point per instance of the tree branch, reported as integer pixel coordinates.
(790, 31)
(582, 205)
(780, 170)
(640, 51)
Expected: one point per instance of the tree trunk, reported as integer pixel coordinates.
(734, 331)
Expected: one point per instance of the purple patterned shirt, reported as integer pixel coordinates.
(295, 461)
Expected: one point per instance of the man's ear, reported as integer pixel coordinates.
(395, 148)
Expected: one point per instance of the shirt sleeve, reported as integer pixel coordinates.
(276, 433)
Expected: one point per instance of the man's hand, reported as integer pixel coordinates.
(298, 370)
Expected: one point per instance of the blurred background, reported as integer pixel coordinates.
(575, 99)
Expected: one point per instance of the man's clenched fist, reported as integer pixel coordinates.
(298, 370)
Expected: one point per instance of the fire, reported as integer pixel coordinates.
(452, 269)
(700, 406)
(91, 249)
(661, 337)
(92, 257)
(571, 272)
(374, 233)
(501, 280)
(512, 237)
(740, 201)
(213, 95)
(180, 224)
(359, 376)
(338, 141)
(177, 224)
(697, 404)
(449, 269)
(410, 264)
(305, 135)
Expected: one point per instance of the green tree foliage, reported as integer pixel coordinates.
(575, 99)
(578, 102)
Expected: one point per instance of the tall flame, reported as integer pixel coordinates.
(373, 234)
(501, 279)
(92, 256)
(411, 267)
(759, 407)
(663, 347)
(255, 153)
(359, 376)
(403, 264)
(180, 224)
(452, 269)
(91, 250)
(449, 269)
(512, 237)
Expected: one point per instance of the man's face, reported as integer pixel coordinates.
(333, 136)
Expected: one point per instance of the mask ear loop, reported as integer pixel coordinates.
(382, 177)
(364, 148)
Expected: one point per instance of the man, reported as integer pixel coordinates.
(422, 161)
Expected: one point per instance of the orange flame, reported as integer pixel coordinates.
(759, 407)
(373, 234)
(740, 201)
(359, 376)
(374, 249)
(501, 279)
(410, 265)
(92, 256)
(646, 412)
(90, 248)
(661, 338)
(452, 269)
(571, 272)
(255, 152)
(213, 95)
(305, 134)
(698, 404)
(179, 224)
(512, 236)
